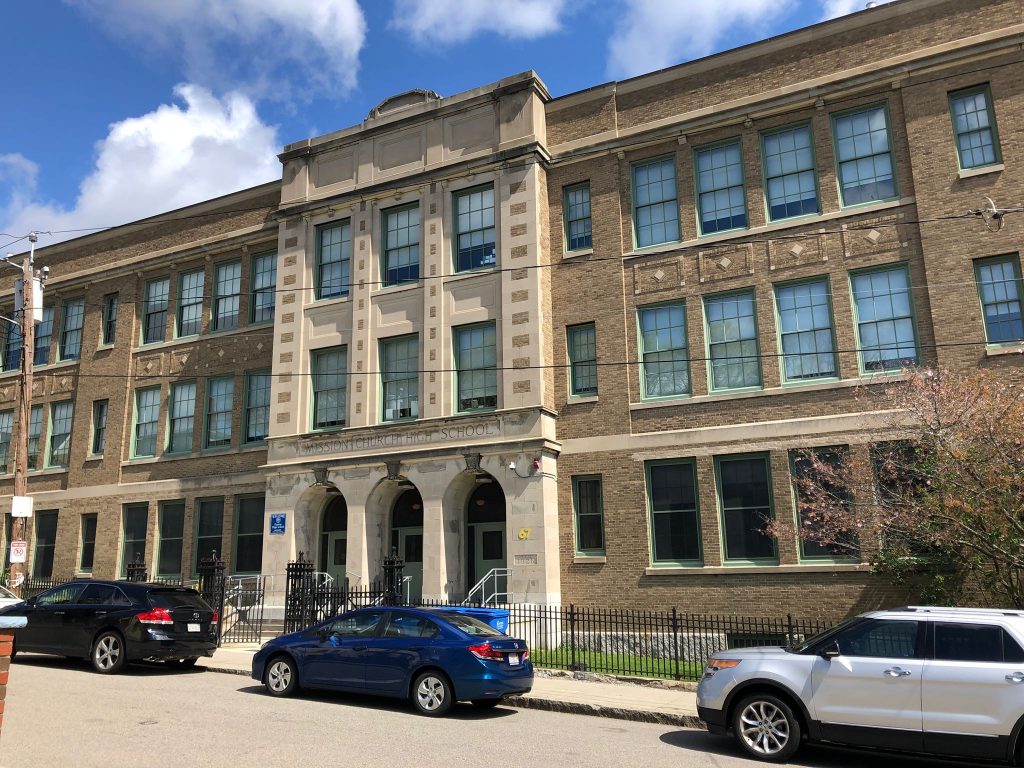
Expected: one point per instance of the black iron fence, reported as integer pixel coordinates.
(32, 587)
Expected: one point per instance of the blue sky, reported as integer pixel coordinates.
(118, 109)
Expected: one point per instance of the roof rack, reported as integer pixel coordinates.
(961, 611)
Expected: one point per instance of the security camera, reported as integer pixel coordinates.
(512, 466)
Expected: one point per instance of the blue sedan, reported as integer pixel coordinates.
(432, 656)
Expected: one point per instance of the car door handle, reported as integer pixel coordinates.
(1016, 677)
(896, 672)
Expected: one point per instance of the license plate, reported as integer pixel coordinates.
(513, 659)
(193, 627)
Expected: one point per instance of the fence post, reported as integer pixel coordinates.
(392, 567)
(211, 586)
(572, 637)
(789, 628)
(675, 641)
(297, 593)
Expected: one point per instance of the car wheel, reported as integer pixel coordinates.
(432, 694)
(108, 653)
(766, 728)
(486, 703)
(281, 677)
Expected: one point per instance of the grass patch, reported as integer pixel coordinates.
(616, 664)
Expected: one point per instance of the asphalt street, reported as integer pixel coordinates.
(60, 713)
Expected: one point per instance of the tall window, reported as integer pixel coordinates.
(227, 295)
(87, 551)
(190, 303)
(745, 496)
(732, 341)
(133, 535)
(263, 288)
(675, 522)
(44, 335)
(789, 176)
(209, 530)
(474, 228)
(219, 397)
(999, 283)
(655, 208)
(99, 426)
(721, 198)
(804, 468)
(61, 415)
(330, 387)
(172, 532)
(6, 429)
(400, 362)
(72, 318)
(248, 534)
(589, 508)
(147, 411)
(183, 412)
(885, 321)
(476, 361)
(46, 539)
(12, 347)
(664, 353)
(864, 152)
(577, 217)
(582, 345)
(974, 124)
(333, 260)
(805, 330)
(402, 244)
(35, 432)
(257, 406)
(154, 319)
(110, 302)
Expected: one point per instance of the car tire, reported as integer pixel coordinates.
(281, 677)
(14, 648)
(432, 694)
(766, 728)
(108, 655)
(486, 703)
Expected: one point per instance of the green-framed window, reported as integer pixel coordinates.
(476, 364)
(227, 295)
(330, 387)
(154, 310)
(401, 244)
(664, 351)
(190, 303)
(72, 318)
(474, 228)
(333, 260)
(1000, 289)
(59, 449)
(209, 531)
(6, 430)
(864, 155)
(790, 177)
(804, 467)
(576, 206)
(655, 202)
(582, 346)
(13, 344)
(35, 433)
(134, 522)
(220, 393)
(44, 337)
(400, 378)
(721, 198)
(588, 505)
(732, 340)
(171, 529)
(745, 500)
(110, 306)
(675, 517)
(885, 318)
(263, 288)
(974, 127)
(87, 549)
(183, 416)
(147, 411)
(248, 534)
(257, 406)
(45, 543)
(806, 334)
(100, 409)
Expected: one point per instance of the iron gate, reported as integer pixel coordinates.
(242, 619)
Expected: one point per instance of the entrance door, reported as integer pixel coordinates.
(337, 555)
(485, 539)
(409, 543)
(333, 539)
(489, 551)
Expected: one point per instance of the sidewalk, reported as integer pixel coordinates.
(667, 703)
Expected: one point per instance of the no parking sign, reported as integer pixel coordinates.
(19, 551)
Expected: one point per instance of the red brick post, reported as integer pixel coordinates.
(7, 626)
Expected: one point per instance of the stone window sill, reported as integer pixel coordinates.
(968, 173)
(994, 351)
(577, 253)
(719, 570)
(574, 399)
(825, 385)
(590, 559)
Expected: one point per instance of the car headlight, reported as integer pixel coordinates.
(717, 665)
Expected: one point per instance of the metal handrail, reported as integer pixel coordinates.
(490, 598)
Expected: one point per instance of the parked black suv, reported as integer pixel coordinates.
(115, 622)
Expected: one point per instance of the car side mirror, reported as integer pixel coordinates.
(30, 602)
(322, 635)
(830, 651)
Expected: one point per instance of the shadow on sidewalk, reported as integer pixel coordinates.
(132, 669)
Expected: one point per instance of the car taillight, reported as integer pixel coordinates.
(485, 652)
(216, 617)
(526, 654)
(156, 616)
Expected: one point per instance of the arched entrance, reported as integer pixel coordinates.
(334, 538)
(485, 531)
(407, 538)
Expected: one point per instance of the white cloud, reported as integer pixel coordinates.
(176, 155)
(455, 21)
(273, 48)
(835, 8)
(653, 34)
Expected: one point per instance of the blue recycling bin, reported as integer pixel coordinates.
(495, 617)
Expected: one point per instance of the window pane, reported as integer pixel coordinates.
(263, 291)
(220, 394)
(664, 351)
(969, 642)
(401, 380)
(227, 295)
(973, 125)
(46, 539)
(88, 550)
(147, 411)
(35, 430)
(865, 157)
(133, 543)
(401, 245)
(476, 361)
(999, 283)
(885, 324)
(746, 499)
(474, 227)
(209, 528)
(257, 407)
(99, 426)
(655, 208)
(190, 303)
(12, 347)
(880, 639)
(172, 527)
(720, 192)
(805, 468)
(583, 359)
(6, 430)
(44, 335)
(154, 322)
(675, 525)
(732, 341)
(790, 175)
(72, 319)
(805, 331)
(333, 260)
(249, 534)
(577, 217)
(61, 415)
(110, 302)
(589, 514)
(330, 388)
(183, 410)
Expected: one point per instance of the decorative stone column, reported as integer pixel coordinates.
(7, 626)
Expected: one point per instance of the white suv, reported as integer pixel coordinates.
(943, 681)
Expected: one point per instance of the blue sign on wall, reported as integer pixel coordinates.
(277, 521)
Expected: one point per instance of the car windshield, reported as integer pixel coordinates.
(821, 636)
(469, 625)
(6, 594)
